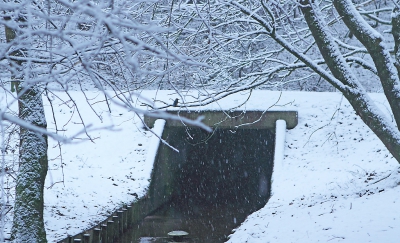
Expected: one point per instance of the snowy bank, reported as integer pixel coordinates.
(337, 182)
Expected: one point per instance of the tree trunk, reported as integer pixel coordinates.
(352, 90)
(396, 36)
(376, 47)
(28, 224)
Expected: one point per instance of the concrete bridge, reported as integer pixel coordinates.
(225, 119)
(234, 163)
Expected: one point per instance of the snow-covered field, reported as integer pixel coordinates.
(336, 183)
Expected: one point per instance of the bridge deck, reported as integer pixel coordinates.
(225, 119)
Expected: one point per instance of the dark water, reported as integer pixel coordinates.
(204, 223)
(218, 181)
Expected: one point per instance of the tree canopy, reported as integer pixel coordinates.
(215, 48)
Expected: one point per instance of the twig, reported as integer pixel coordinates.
(381, 179)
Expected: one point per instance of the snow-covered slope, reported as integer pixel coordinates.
(338, 183)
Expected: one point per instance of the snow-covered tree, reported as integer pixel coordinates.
(33, 164)
(120, 47)
(266, 44)
(58, 46)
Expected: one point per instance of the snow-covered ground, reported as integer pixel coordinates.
(336, 183)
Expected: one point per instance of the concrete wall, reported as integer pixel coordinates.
(232, 164)
(166, 166)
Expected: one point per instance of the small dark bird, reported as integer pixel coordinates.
(175, 104)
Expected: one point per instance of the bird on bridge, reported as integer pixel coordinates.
(175, 104)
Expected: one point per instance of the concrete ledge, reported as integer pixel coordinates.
(222, 119)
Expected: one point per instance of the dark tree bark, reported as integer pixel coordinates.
(340, 76)
(396, 36)
(374, 43)
(28, 224)
(351, 88)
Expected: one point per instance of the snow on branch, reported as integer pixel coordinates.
(29, 126)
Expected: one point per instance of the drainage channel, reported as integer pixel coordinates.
(207, 189)
(218, 180)
(212, 223)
